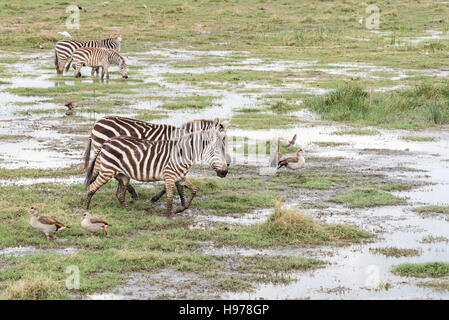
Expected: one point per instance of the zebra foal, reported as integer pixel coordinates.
(98, 57)
(65, 48)
(126, 158)
(112, 126)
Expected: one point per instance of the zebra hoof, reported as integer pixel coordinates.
(180, 209)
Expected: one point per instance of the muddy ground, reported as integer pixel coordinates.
(36, 133)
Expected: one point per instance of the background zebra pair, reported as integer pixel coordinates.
(128, 148)
(65, 49)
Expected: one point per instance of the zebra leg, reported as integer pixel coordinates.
(77, 70)
(133, 192)
(169, 184)
(158, 195)
(95, 185)
(60, 67)
(192, 189)
(121, 190)
(180, 189)
(68, 65)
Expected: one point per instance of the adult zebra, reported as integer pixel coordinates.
(113, 126)
(126, 158)
(64, 49)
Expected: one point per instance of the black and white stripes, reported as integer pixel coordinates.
(65, 48)
(126, 158)
(96, 58)
(113, 126)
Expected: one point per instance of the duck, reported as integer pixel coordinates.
(93, 224)
(293, 163)
(291, 142)
(47, 225)
(70, 106)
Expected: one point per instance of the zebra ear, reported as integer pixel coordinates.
(216, 122)
(225, 123)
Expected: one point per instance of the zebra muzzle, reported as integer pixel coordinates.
(221, 173)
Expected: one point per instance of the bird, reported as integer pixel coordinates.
(291, 142)
(293, 163)
(93, 224)
(361, 21)
(45, 224)
(70, 106)
(65, 34)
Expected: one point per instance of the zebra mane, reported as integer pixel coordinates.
(118, 53)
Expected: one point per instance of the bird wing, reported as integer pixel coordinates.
(50, 220)
(95, 220)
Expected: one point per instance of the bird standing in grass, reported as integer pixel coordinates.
(47, 225)
(93, 224)
(293, 163)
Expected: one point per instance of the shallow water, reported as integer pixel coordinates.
(354, 271)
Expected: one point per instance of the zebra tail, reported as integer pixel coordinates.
(56, 60)
(87, 154)
(90, 172)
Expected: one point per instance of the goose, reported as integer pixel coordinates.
(291, 142)
(70, 106)
(45, 224)
(93, 224)
(293, 163)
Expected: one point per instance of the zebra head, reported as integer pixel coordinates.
(123, 69)
(215, 151)
(202, 124)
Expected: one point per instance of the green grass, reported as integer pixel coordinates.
(148, 115)
(434, 239)
(330, 143)
(255, 120)
(425, 105)
(40, 173)
(232, 76)
(367, 197)
(192, 102)
(311, 179)
(396, 252)
(358, 132)
(422, 270)
(283, 227)
(432, 209)
(418, 138)
(438, 285)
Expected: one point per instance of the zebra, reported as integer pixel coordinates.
(126, 158)
(64, 49)
(98, 57)
(111, 126)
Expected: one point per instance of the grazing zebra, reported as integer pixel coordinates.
(64, 49)
(112, 126)
(125, 157)
(98, 57)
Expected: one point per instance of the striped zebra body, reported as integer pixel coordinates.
(113, 126)
(98, 57)
(126, 158)
(65, 48)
